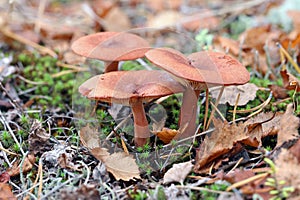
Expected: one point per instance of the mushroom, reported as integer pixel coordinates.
(132, 88)
(199, 69)
(111, 47)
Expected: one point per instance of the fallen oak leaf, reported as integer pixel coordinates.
(178, 172)
(221, 142)
(225, 139)
(122, 166)
(289, 124)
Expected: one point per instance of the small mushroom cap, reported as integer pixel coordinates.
(126, 87)
(204, 67)
(111, 46)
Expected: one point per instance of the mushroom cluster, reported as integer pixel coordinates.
(180, 74)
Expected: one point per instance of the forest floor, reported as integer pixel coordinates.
(57, 144)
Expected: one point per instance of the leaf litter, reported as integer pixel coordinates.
(218, 153)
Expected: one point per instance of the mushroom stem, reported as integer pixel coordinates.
(141, 129)
(188, 113)
(206, 107)
(111, 66)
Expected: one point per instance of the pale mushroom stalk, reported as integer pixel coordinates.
(141, 129)
(206, 107)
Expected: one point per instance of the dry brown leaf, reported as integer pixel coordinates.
(287, 169)
(101, 8)
(247, 93)
(117, 20)
(164, 19)
(269, 121)
(26, 166)
(178, 172)
(257, 37)
(227, 138)
(289, 124)
(221, 141)
(278, 91)
(295, 150)
(100, 153)
(233, 46)
(290, 82)
(166, 134)
(6, 193)
(238, 175)
(250, 188)
(89, 137)
(292, 40)
(198, 21)
(122, 166)
(38, 133)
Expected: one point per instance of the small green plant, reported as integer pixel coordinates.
(16, 147)
(209, 194)
(21, 133)
(131, 65)
(204, 39)
(6, 139)
(137, 194)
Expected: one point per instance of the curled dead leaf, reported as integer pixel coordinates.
(178, 172)
(166, 134)
(278, 91)
(290, 82)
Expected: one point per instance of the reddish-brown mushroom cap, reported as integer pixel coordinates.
(125, 87)
(111, 46)
(131, 88)
(219, 68)
(205, 66)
